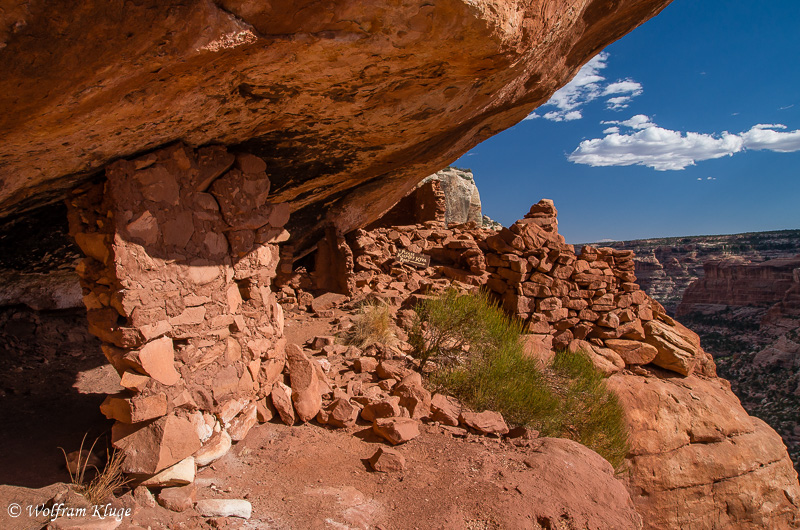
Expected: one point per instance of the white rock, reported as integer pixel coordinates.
(217, 447)
(204, 431)
(180, 474)
(230, 409)
(224, 508)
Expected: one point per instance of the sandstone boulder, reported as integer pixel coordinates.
(306, 394)
(387, 408)
(563, 477)
(178, 499)
(241, 424)
(213, 449)
(154, 446)
(396, 430)
(487, 422)
(365, 364)
(392, 369)
(414, 398)
(387, 461)
(462, 198)
(340, 413)
(445, 409)
(224, 508)
(282, 401)
(675, 351)
(691, 445)
(180, 474)
(633, 352)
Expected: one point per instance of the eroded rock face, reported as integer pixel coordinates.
(350, 104)
(665, 267)
(462, 198)
(697, 460)
(733, 282)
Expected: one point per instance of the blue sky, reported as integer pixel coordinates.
(706, 100)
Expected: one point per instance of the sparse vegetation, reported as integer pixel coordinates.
(372, 325)
(483, 364)
(105, 482)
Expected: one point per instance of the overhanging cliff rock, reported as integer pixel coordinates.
(351, 103)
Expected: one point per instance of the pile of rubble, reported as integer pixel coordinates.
(380, 385)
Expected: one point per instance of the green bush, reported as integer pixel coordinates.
(482, 363)
(445, 327)
(589, 413)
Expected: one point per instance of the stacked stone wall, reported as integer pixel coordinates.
(588, 301)
(181, 246)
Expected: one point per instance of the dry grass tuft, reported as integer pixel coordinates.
(372, 325)
(105, 482)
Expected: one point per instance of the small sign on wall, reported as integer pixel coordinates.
(413, 258)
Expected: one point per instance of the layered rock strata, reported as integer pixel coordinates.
(181, 246)
(665, 267)
(733, 283)
(749, 318)
(785, 315)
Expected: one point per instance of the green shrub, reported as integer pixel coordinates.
(445, 327)
(589, 413)
(482, 363)
(372, 325)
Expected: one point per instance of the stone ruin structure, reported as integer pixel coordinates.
(567, 300)
(181, 248)
(203, 148)
(590, 301)
(188, 274)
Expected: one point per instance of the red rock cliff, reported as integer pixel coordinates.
(737, 283)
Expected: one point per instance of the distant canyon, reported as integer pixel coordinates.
(741, 294)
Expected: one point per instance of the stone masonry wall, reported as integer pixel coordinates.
(181, 247)
(425, 203)
(587, 301)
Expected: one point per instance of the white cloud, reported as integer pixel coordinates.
(563, 116)
(587, 86)
(623, 87)
(618, 103)
(665, 149)
(640, 121)
(764, 137)
(626, 91)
